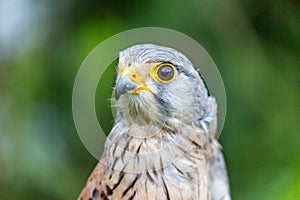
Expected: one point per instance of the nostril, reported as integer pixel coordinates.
(128, 86)
(133, 75)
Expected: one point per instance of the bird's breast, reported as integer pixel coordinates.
(173, 166)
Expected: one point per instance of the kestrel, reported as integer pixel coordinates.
(162, 144)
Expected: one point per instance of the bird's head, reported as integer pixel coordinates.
(159, 85)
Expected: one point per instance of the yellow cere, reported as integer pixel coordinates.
(134, 77)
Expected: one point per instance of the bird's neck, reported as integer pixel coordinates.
(139, 148)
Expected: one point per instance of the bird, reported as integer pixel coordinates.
(162, 144)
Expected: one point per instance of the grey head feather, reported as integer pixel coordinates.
(184, 100)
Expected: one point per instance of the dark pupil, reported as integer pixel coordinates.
(165, 73)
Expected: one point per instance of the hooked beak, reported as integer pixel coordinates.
(129, 82)
(124, 85)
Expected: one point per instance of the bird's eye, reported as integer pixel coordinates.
(165, 72)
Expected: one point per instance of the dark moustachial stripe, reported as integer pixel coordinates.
(131, 184)
(165, 105)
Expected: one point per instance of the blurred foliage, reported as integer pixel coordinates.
(255, 44)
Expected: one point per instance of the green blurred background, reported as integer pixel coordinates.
(255, 44)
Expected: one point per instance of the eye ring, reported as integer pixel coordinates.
(164, 73)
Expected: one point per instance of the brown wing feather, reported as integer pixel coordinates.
(92, 188)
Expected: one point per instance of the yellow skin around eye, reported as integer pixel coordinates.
(154, 70)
